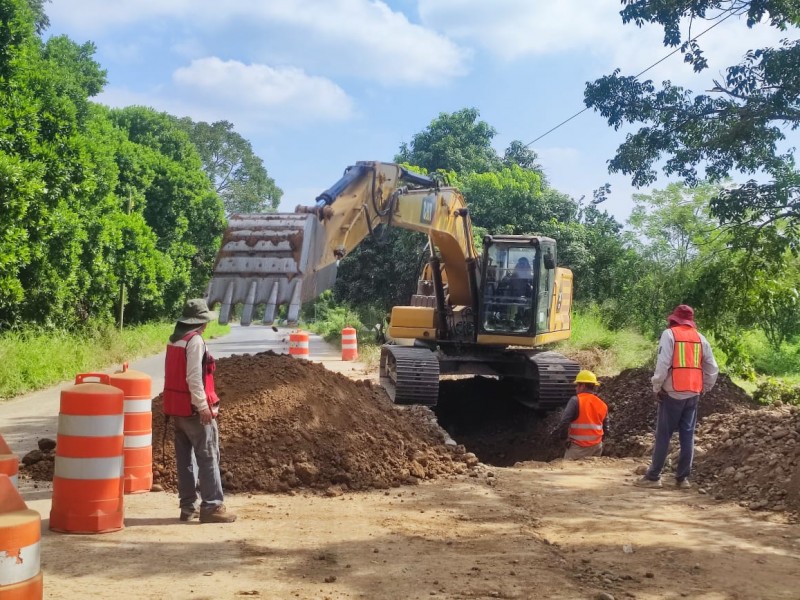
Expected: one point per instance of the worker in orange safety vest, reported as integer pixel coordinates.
(585, 419)
(685, 368)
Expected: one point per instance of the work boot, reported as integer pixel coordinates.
(189, 514)
(218, 514)
(683, 484)
(643, 482)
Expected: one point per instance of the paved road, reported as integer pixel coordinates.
(26, 419)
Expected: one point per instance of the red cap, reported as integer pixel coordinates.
(682, 315)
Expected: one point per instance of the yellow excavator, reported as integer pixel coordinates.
(482, 315)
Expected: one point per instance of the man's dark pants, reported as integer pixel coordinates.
(674, 415)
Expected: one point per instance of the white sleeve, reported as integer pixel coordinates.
(664, 360)
(194, 372)
(710, 368)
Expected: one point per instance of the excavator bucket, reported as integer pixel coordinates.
(269, 259)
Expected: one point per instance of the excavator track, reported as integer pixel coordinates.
(410, 375)
(555, 382)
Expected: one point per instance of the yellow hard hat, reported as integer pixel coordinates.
(586, 377)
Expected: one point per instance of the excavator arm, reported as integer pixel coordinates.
(288, 259)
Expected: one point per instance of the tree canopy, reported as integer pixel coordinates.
(238, 175)
(739, 126)
(91, 198)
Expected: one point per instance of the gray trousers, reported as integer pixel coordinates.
(197, 457)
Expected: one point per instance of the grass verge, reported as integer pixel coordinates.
(605, 352)
(34, 359)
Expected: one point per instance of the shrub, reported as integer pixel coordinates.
(775, 391)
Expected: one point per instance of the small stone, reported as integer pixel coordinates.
(649, 574)
(603, 596)
(330, 579)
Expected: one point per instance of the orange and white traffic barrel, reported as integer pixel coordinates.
(87, 482)
(138, 430)
(298, 344)
(20, 535)
(9, 462)
(349, 344)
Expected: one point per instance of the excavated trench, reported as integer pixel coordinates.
(480, 413)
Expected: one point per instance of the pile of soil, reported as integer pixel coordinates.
(39, 465)
(287, 423)
(752, 456)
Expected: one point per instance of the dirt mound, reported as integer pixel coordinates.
(751, 455)
(632, 410)
(39, 465)
(287, 423)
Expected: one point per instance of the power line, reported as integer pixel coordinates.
(655, 64)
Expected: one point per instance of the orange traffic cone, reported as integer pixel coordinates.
(9, 462)
(20, 532)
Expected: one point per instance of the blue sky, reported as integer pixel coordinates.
(318, 84)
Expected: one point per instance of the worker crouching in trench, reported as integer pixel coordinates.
(584, 420)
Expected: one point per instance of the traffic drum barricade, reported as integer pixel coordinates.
(349, 344)
(9, 462)
(87, 482)
(138, 429)
(20, 535)
(298, 344)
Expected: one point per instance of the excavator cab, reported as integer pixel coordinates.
(518, 285)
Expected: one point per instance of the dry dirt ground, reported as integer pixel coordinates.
(369, 501)
(558, 530)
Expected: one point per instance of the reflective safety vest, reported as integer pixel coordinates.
(587, 428)
(177, 397)
(687, 360)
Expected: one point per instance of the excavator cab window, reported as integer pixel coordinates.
(508, 291)
(547, 275)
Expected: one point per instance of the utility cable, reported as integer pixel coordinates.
(655, 64)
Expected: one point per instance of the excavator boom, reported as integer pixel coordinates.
(291, 258)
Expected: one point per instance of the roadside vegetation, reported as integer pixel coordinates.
(34, 359)
(108, 209)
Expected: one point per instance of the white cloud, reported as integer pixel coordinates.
(263, 88)
(362, 38)
(253, 96)
(514, 28)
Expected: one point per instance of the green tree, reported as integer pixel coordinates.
(519, 154)
(512, 200)
(738, 126)
(456, 142)
(382, 273)
(675, 236)
(238, 175)
(179, 205)
(41, 20)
